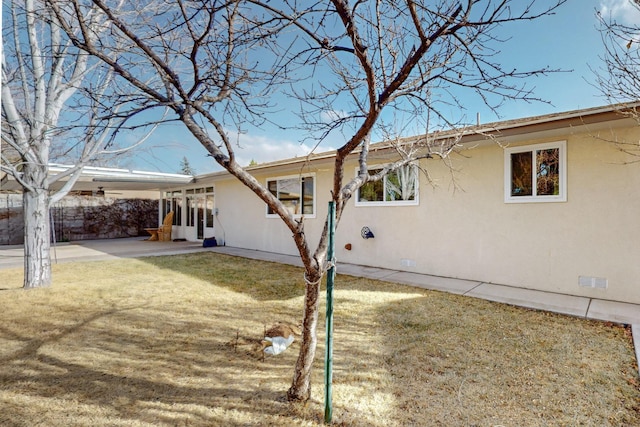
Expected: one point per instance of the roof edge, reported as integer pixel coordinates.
(486, 130)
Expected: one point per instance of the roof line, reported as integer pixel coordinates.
(467, 133)
(116, 172)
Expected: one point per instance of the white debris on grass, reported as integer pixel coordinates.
(278, 344)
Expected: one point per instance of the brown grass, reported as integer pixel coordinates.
(173, 341)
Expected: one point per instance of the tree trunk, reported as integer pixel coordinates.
(37, 240)
(301, 386)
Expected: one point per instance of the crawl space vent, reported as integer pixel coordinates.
(593, 282)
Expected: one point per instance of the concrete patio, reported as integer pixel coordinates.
(97, 250)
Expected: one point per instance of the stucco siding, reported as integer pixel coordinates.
(246, 225)
(463, 228)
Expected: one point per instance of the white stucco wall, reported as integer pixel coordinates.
(467, 231)
(463, 228)
(245, 222)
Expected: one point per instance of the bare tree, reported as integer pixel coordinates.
(215, 63)
(619, 77)
(51, 108)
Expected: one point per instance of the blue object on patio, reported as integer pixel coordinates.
(209, 242)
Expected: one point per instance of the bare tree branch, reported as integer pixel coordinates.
(43, 74)
(214, 65)
(618, 79)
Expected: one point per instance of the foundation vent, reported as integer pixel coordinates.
(593, 282)
(407, 262)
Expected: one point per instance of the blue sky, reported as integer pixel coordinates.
(569, 40)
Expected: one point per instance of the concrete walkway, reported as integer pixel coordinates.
(588, 308)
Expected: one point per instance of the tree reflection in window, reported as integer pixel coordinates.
(548, 172)
(545, 181)
(521, 174)
(398, 186)
(401, 184)
(372, 191)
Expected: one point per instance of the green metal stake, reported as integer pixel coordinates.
(331, 274)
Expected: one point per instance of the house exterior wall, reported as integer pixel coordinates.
(470, 232)
(463, 228)
(246, 225)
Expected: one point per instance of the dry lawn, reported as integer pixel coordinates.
(172, 341)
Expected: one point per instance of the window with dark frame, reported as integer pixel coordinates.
(295, 193)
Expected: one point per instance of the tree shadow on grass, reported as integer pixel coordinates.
(140, 365)
(187, 355)
(261, 280)
(181, 357)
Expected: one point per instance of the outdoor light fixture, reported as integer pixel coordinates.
(366, 233)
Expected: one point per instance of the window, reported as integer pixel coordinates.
(399, 187)
(297, 194)
(173, 202)
(209, 209)
(536, 173)
(200, 207)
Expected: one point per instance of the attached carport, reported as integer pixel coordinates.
(105, 181)
(101, 183)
